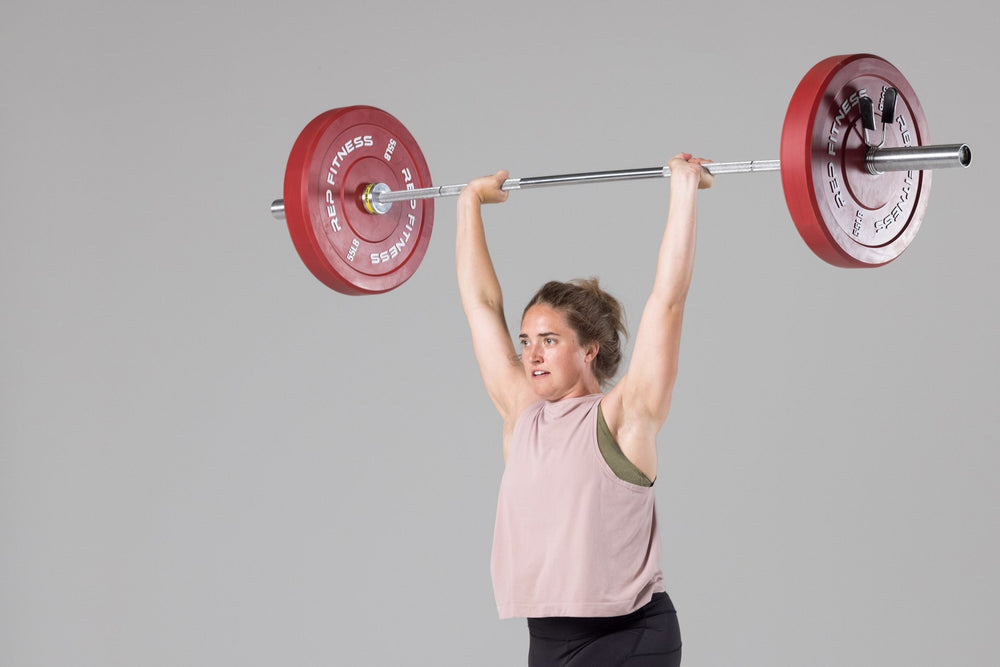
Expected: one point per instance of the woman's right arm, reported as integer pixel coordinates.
(482, 302)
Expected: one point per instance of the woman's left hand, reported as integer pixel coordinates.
(684, 166)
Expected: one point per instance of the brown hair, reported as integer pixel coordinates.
(593, 314)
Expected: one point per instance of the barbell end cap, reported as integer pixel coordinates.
(965, 155)
(278, 209)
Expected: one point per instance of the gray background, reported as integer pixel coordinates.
(208, 458)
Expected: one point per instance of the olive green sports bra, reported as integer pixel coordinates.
(615, 458)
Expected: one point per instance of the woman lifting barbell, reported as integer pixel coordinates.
(576, 549)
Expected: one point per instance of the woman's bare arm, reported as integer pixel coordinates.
(638, 405)
(482, 301)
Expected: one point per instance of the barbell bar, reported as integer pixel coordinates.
(377, 198)
(855, 204)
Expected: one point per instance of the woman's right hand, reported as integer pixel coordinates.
(486, 190)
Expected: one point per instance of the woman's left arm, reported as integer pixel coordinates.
(638, 405)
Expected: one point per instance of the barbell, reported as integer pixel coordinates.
(359, 203)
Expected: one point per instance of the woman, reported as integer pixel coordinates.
(576, 549)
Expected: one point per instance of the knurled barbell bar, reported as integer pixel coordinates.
(854, 202)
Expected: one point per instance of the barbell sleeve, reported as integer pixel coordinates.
(917, 158)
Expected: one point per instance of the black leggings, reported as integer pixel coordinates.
(648, 637)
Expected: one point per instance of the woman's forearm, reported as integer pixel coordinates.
(477, 279)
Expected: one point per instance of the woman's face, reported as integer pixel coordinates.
(556, 364)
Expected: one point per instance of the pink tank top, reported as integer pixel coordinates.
(571, 538)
